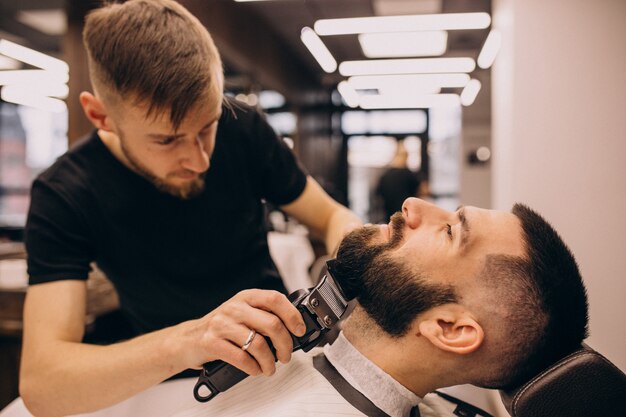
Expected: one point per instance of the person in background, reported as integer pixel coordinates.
(476, 296)
(165, 196)
(398, 182)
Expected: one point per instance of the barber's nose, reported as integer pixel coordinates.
(196, 157)
(417, 212)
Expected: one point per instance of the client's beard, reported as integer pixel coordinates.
(391, 292)
(356, 255)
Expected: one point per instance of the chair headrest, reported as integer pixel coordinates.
(583, 383)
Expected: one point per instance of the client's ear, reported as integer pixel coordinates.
(451, 328)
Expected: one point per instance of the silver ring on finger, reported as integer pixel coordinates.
(249, 340)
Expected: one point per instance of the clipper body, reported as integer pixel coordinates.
(321, 307)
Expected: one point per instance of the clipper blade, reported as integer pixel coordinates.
(331, 293)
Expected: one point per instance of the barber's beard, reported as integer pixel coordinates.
(185, 191)
(392, 292)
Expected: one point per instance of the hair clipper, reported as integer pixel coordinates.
(321, 307)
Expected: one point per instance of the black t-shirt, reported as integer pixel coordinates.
(170, 259)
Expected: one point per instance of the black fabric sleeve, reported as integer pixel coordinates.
(56, 237)
(281, 177)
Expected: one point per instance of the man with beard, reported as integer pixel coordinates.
(184, 245)
(474, 296)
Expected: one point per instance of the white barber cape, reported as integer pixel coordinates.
(299, 389)
(302, 389)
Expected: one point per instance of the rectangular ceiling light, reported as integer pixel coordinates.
(47, 90)
(404, 44)
(32, 57)
(469, 93)
(378, 82)
(407, 66)
(319, 51)
(382, 24)
(32, 77)
(409, 102)
(348, 94)
(9, 63)
(52, 22)
(33, 100)
(490, 49)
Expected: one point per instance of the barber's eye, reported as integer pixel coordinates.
(167, 141)
(449, 230)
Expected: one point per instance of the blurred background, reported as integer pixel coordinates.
(474, 102)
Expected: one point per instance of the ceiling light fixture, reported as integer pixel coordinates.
(32, 57)
(367, 82)
(317, 48)
(490, 49)
(33, 77)
(409, 102)
(381, 24)
(8, 63)
(469, 93)
(407, 66)
(17, 96)
(404, 44)
(49, 90)
(348, 94)
(52, 22)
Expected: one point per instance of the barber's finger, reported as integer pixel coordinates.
(257, 347)
(235, 356)
(260, 351)
(270, 325)
(278, 304)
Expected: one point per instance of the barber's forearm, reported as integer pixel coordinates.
(341, 222)
(68, 378)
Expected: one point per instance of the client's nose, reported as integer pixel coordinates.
(412, 212)
(416, 212)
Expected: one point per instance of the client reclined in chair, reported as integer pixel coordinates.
(444, 298)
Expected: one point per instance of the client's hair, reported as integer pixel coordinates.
(545, 303)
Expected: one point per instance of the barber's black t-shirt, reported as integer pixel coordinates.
(170, 259)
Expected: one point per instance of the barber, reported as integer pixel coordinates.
(166, 197)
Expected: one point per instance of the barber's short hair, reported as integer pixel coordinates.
(153, 52)
(546, 312)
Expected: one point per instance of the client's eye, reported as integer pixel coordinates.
(449, 230)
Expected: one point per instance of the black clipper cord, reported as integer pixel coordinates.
(321, 307)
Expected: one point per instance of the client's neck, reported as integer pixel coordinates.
(408, 359)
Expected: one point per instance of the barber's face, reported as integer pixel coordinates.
(446, 248)
(174, 161)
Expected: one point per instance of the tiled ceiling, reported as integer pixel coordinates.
(285, 17)
(288, 17)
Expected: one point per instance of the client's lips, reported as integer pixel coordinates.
(187, 175)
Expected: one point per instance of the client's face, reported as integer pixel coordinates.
(425, 257)
(388, 290)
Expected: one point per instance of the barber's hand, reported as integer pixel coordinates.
(222, 333)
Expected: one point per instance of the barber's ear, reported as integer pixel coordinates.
(451, 328)
(95, 111)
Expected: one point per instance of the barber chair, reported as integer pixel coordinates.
(583, 383)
